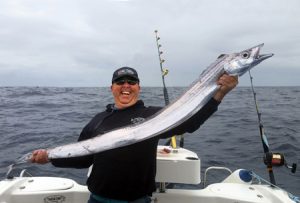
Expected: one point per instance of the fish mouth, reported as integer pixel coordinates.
(263, 56)
(260, 57)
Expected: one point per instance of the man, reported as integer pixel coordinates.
(127, 174)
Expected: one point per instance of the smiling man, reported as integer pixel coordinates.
(127, 174)
(125, 87)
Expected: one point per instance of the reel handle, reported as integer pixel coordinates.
(277, 159)
(293, 167)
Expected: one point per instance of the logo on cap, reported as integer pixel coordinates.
(125, 72)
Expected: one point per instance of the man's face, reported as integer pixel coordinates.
(125, 91)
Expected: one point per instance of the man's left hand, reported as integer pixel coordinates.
(227, 83)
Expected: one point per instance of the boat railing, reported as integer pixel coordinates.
(214, 168)
(23, 172)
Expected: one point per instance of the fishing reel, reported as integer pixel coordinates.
(277, 159)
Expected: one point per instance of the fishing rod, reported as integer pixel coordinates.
(164, 72)
(270, 158)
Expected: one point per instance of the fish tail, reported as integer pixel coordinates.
(24, 159)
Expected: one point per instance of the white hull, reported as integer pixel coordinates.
(181, 166)
(60, 190)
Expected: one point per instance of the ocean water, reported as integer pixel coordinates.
(42, 117)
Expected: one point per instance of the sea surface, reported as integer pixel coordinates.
(45, 117)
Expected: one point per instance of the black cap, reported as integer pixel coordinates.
(123, 72)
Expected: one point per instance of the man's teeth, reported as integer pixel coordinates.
(127, 93)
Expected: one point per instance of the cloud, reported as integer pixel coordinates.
(79, 43)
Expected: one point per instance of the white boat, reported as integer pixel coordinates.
(173, 166)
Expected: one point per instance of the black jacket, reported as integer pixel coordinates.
(127, 173)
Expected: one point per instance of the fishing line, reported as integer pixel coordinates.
(262, 180)
(262, 134)
(270, 159)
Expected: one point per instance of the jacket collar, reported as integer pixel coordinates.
(111, 107)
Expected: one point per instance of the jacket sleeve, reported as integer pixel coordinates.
(195, 121)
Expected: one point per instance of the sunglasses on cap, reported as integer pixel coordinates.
(129, 81)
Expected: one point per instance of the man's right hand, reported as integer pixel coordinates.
(39, 156)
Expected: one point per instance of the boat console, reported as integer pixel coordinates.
(177, 166)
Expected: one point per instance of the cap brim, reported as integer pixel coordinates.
(125, 76)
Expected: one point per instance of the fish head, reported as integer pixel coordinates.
(239, 63)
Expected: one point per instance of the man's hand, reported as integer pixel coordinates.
(39, 156)
(227, 83)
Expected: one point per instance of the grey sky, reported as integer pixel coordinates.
(80, 43)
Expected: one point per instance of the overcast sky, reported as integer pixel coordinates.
(81, 42)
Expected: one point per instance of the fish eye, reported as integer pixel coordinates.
(221, 55)
(245, 54)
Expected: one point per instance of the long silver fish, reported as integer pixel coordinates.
(197, 95)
